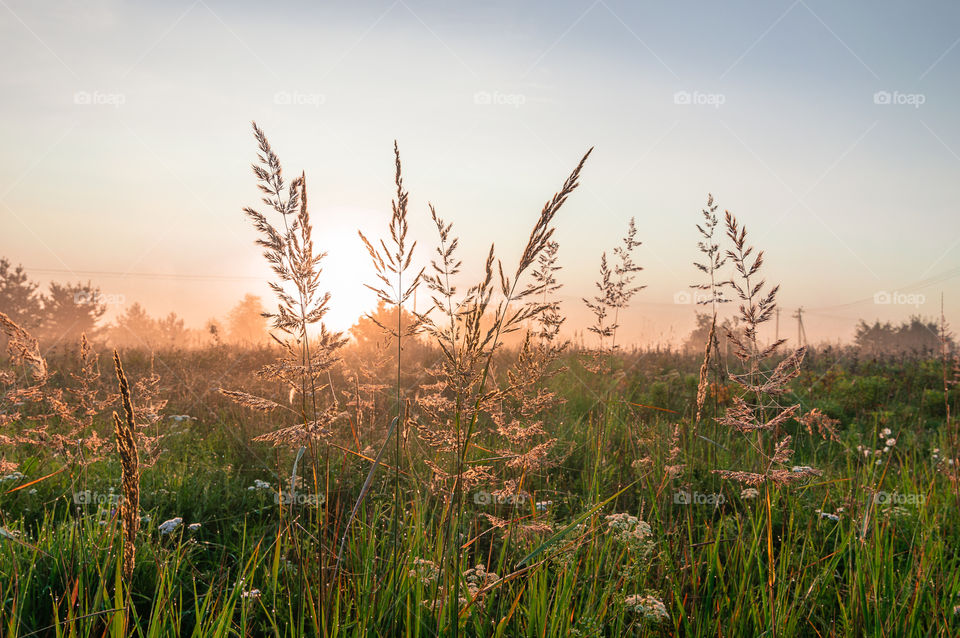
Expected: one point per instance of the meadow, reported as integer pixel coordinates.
(474, 473)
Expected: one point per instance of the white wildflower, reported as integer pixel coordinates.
(543, 505)
(891, 442)
(168, 526)
(748, 493)
(193, 527)
(426, 571)
(885, 432)
(650, 607)
(477, 578)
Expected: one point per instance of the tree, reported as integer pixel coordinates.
(916, 336)
(246, 322)
(70, 310)
(697, 339)
(172, 332)
(18, 296)
(370, 332)
(135, 328)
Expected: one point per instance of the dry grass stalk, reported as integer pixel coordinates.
(759, 383)
(715, 260)
(126, 433)
(24, 349)
(704, 382)
(452, 405)
(291, 254)
(616, 288)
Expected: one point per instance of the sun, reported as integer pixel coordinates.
(347, 267)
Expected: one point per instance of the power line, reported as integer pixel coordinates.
(144, 275)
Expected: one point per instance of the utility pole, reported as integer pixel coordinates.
(801, 333)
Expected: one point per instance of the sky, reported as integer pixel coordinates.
(829, 129)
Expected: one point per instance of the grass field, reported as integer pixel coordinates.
(866, 549)
(475, 474)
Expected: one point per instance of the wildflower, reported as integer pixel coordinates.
(259, 485)
(632, 531)
(426, 571)
(168, 526)
(801, 469)
(827, 515)
(14, 476)
(193, 527)
(748, 493)
(33, 490)
(6, 533)
(891, 442)
(650, 607)
(253, 594)
(478, 578)
(628, 527)
(543, 505)
(885, 432)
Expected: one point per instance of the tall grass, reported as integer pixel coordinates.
(525, 490)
